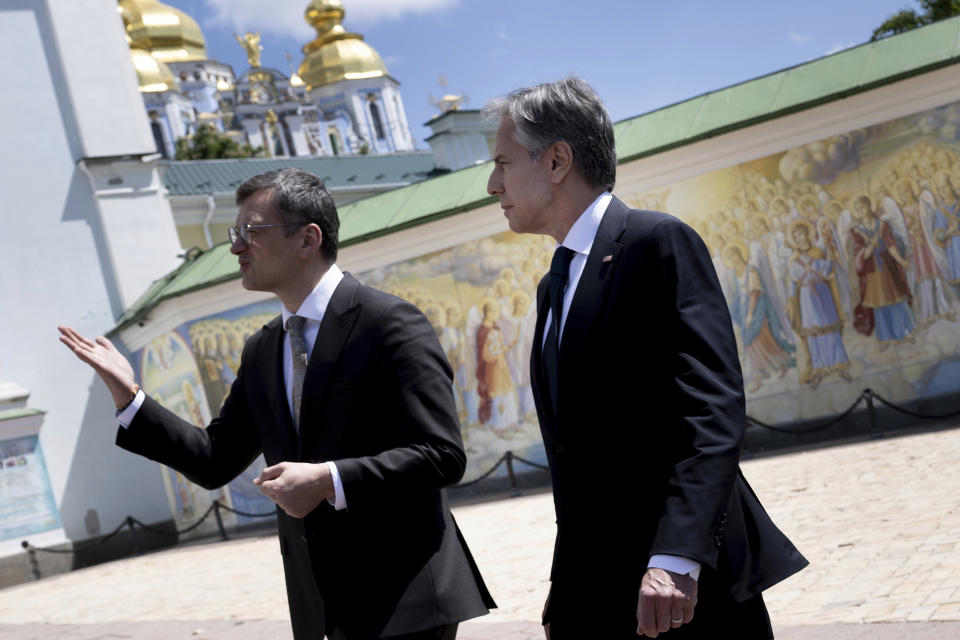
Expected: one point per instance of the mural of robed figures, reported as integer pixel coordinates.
(840, 262)
(479, 298)
(189, 370)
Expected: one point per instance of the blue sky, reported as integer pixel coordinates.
(638, 54)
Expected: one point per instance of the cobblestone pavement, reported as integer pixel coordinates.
(879, 522)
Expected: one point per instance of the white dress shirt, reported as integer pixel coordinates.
(580, 240)
(312, 308)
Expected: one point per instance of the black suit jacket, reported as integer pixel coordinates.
(378, 402)
(646, 462)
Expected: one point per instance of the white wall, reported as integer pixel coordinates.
(70, 93)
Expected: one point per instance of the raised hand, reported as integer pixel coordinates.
(110, 365)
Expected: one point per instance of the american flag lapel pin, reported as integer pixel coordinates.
(608, 258)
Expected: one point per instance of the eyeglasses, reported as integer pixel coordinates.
(242, 232)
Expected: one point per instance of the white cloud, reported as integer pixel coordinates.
(800, 38)
(839, 47)
(285, 17)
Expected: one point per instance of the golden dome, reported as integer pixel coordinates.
(336, 55)
(166, 33)
(153, 75)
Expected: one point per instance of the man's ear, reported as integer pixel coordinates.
(311, 238)
(560, 157)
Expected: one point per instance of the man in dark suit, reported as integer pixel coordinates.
(657, 531)
(361, 435)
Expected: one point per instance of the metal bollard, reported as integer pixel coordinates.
(871, 413)
(515, 489)
(133, 534)
(216, 514)
(32, 558)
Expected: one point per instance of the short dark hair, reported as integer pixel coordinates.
(300, 198)
(567, 110)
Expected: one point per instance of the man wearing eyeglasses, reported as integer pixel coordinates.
(348, 395)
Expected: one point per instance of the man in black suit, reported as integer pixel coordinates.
(361, 435)
(657, 531)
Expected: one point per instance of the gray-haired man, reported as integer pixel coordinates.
(656, 528)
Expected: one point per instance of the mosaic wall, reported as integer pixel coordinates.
(840, 262)
(189, 371)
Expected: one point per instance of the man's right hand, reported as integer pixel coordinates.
(110, 365)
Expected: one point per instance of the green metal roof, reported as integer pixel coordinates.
(193, 177)
(826, 79)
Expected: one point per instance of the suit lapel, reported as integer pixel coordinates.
(536, 348)
(597, 274)
(338, 321)
(270, 361)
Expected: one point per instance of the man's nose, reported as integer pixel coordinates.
(494, 186)
(238, 247)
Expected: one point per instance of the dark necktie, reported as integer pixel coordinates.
(559, 270)
(298, 351)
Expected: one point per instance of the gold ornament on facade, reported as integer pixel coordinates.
(336, 54)
(166, 33)
(251, 44)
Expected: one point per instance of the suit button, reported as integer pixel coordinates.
(559, 449)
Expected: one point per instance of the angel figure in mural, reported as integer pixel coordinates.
(814, 308)
(760, 318)
(211, 372)
(498, 399)
(453, 343)
(881, 274)
(912, 213)
(524, 319)
(716, 242)
(947, 225)
(769, 250)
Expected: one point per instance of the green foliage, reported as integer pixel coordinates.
(209, 144)
(931, 11)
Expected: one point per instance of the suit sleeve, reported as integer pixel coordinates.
(416, 391)
(210, 457)
(705, 387)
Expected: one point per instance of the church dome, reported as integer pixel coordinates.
(152, 75)
(335, 54)
(168, 34)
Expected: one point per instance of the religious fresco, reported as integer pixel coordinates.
(189, 371)
(480, 297)
(840, 262)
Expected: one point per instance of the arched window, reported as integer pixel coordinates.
(377, 122)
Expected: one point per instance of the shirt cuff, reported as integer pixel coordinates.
(339, 501)
(126, 416)
(677, 564)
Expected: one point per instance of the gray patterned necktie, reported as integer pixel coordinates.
(298, 349)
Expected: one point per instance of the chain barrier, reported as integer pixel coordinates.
(820, 427)
(867, 395)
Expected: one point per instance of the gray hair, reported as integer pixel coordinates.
(300, 198)
(567, 110)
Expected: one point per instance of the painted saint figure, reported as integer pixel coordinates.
(498, 400)
(763, 330)
(947, 226)
(884, 295)
(814, 308)
(925, 271)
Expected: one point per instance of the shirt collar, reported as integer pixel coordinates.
(315, 304)
(584, 230)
